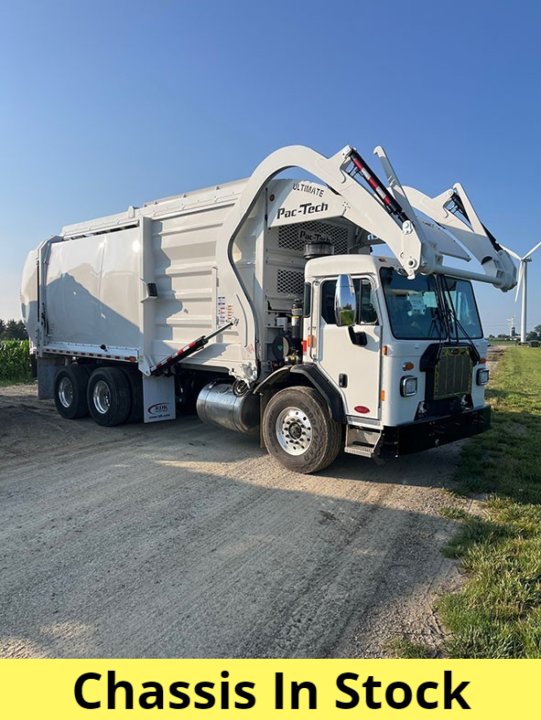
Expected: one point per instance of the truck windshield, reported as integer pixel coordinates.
(464, 316)
(416, 312)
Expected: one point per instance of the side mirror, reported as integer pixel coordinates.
(345, 301)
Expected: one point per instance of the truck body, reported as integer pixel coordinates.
(263, 303)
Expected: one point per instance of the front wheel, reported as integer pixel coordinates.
(299, 431)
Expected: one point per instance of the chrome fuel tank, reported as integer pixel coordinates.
(217, 404)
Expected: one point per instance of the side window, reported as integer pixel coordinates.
(328, 289)
(307, 300)
(366, 310)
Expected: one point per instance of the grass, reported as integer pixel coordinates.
(14, 362)
(497, 614)
(402, 647)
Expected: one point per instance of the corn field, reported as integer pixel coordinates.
(14, 361)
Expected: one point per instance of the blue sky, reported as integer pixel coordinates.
(106, 104)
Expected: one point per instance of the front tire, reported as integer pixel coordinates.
(299, 431)
(70, 391)
(109, 396)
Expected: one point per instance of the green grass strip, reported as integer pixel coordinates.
(497, 614)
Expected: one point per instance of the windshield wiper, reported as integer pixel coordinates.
(474, 350)
(438, 323)
(451, 313)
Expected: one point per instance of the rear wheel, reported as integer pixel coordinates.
(135, 381)
(109, 396)
(299, 431)
(70, 391)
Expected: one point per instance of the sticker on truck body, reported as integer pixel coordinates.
(224, 312)
(300, 201)
(302, 210)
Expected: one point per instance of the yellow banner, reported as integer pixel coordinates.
(287, 689)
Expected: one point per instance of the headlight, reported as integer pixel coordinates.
(482, 376)
(408, 386)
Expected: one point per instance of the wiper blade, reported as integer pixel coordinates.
(452, 315)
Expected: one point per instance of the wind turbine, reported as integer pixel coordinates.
(523, 278)
(511, 322)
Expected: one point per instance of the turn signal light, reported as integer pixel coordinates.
(407, 366)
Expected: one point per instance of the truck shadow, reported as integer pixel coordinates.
(147, 551)
(432, 468)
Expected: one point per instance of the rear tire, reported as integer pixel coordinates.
(299, 431)
(70, 391)
(135, 381)
(109, 396)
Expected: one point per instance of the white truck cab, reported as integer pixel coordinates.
(398, 333)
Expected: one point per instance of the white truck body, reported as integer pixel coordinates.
(230, 262)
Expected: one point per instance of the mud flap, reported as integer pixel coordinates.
(46, 371)
(159, 398)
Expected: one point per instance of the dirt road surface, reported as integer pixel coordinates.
(180, 540)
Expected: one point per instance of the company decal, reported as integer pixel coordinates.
(302, 210)
(314, 237)
(305, 187)
(159, 410)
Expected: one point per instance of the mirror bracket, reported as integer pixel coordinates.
(357, 337)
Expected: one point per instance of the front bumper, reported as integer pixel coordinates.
(426, 434)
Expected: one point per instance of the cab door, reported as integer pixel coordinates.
(354, 368)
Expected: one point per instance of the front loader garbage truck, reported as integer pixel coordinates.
(264, 305)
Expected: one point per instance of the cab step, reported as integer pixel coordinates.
(360, 441)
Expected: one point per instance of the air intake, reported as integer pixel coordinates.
(319, 248)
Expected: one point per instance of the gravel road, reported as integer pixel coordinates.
(180, 540)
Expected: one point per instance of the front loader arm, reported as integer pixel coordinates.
(361, 207)
(470, 231)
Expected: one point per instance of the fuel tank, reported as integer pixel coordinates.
(217, 404)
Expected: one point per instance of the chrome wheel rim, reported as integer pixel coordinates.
(65, 392)
(101, 396)
(293, 431)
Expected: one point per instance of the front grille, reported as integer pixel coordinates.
(453, 373)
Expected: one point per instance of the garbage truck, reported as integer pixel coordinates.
(334, 313)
